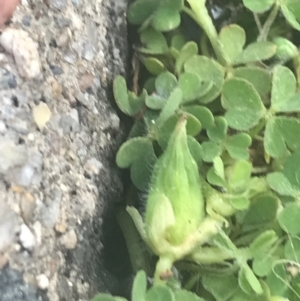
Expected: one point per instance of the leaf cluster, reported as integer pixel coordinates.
(242, 102)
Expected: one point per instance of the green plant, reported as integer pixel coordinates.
(215, 144)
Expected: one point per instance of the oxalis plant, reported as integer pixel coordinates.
(213, 211)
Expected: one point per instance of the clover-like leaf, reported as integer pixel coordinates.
(139, 287)
(284, 85)
(256, 52)
(178, 41)
(239, 175)
(286, 50)
(217, 132)
(216, 174)
(260, 78)
(263, 210)
(138, 154)
(263, 243)
(279, 183)
(208, 71)
(240, 202)
(262, 265)
(210, 150)
(139, 11)
(170, 107)
(153, 41)
(248, 281)
(258, 6)
(222, 288)
(192, 87)
(291, 11)
(193, 127)
(281, 133)
(165, 83)
(155, 101)
(243, 104)
(127, 102)
(166, 19)
(203, 114)
(237, 146)
(154, 65)
(159, 293)
(288, 219)
(232, 39)
(187, 51)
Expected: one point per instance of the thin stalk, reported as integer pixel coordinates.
(256, 130)
(133, 242)
(258, 23)
(270, 20)
(201, 16)
(163, 269)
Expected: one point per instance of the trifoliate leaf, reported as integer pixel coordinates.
(155, 102)
(222, 288)
(192, 87)
(243, 104)
(153, 41)
(292, 249)
(291, 11)
(165, 83)
(286, 50)
(281, 133)
(214, 179)
(260, 78)
(193, 127)
(178, 41)
(240, 203)
(208, 70)
(283, 91)
(256, 52)
(188, 50)
(140, 10)
(183, 295)
(160, 293)
(258, 6)
(279, 183)
(262, 210)
(239, 175)
(165, 19)
(138, 154)
(139, 287)
(262, 265)
(232, 39)
(210, 150)
(218, 131)
(154, 65)
(128, 103)
(248, 281)
(288, 219)
(171, 106)
(237, 146)
(263, 243)
(203, 114)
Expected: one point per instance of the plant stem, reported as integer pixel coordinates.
(266, 28)
(210, 255)
(163, 269)
(133, 242)
(201, 16)
(256, 130)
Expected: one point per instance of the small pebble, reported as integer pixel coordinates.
(27, 238)
(42, 282)
(69, 240)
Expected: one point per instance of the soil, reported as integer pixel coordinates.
(59, 133)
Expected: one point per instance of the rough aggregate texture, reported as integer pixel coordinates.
(59, 133)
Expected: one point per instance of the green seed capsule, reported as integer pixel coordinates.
(175, 205)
